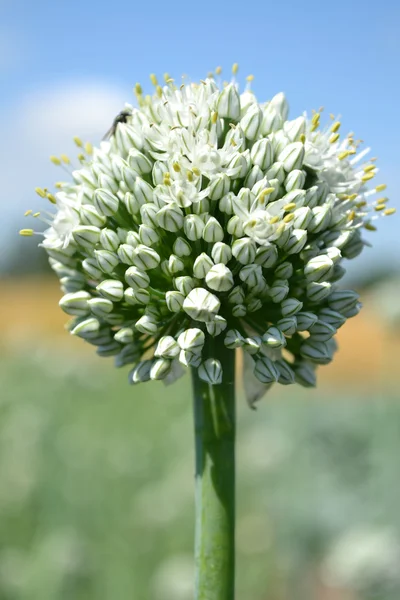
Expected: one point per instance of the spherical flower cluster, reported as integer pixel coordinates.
(206, 214)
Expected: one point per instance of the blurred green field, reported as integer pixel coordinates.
(96, 495)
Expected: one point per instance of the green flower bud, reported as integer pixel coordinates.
(111, 289)
(318, 268)
(234, 226)
(109, 240)
(100, 306)
(75, 303)
(228, 103)
(251, 122)
(174, 301)
(189, 359)
(139, 162)
(87, 328)
(201, 305)
(338, 239)
(316, 352)
(221, 253)
(239, 310)
(322, 332)
(302, 217)
(137, 278)
(295, 180)
(321, 219)
(352, 312)
(288, 325)
(253, 176)
(244, 250)
(219, 186)
(237, 295)
(217, 326)
(272, 120)
(305, 320)
(106, 203)
(160, 369)
(296, 242)
(290, 307)
(252, 345)
(261, 154)
(286, 373)
(185, 284)
(317, 292)
(148, 235)
(170, 218)
(240, 165)
(312, 196)
(233, 339)
(193, 227)
(266, 255)
(181, 247)
(192, 340)
(284, 271)
(202, 265)
(213, 231)
(292, 156)
(279, 290)
(124, 335)
(145, 258)
(110, 349)
(295, 129)
(305, 374)
(226, 204)
(274, 338)
(265, 370)
(142, 191)
(210, 371)
(251, 275)
(127, 254)
(334, 318)
(219, 278)
(167, 347)
(108, 184)
(86, 235)
(343, 300)
(91, 267)
(276, 173)
(254, 305)
(141, 372)
(90, 216)
(146, 324)
(106, 260)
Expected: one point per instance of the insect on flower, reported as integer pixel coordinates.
(121, 117)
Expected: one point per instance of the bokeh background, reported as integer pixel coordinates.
(96, 478)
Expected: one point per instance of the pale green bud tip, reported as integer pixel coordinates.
(210, 371)
(201, 305)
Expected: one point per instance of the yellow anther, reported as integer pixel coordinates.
(252, 223)
(138, 89)
(51, 198)
(380, 207)
(214, 117)
(166, 77)
(81, 157)
(361, 204)
(36, 214)
(170, 80)
(302, 138)
(389, 211)
(58, 185)
(343, 154)
(274, 220)
(288, 218)
(26, 232)
(381, 187)
(218, 70)
(353, 197)
(159, 91)
(335, 127)
(369, 168)
(78, 141)
(65, 159)
(264, 193)
(321, 109)
(250, 78)
(233, 143)
(189, 175)
(40, 192)
(88, 148)
(280, 229)
(351, 152)
(367, 177)
(370, 227)
(382, 200)
(290, 206)
(55, 160)
(334, 138)
(343, 196)
(235, 68)
(27, 213)
(352, 215)
(316, 117)
(196, 171)
(153, 79)
(373, 159)
(176, 166)
(331, 116)
(210, 75)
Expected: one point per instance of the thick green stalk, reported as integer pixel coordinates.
(214, 417)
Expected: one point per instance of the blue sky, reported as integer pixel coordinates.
(67, 68)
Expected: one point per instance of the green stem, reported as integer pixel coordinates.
(214, 418)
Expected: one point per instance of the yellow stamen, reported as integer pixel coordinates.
(353, 197)
(361, 204)
(55, 160)
(36, 214)
(343, 154)
(302, 138)
(88, 148)
(138, 89)
(290, 206)
(352, 215)
(235, 68)
(51, 198)
(274, 220)
(331, 116)
(250, 78)
(26, 232)
(367, 177)
(264, 193)
(380, 207)
(218, 70)
(335, 127)
(288, 218)
(78, 141)
(27, 213)
(196, 171)
(214, 117)
(382, 200)
(58, 185)
(233, 143)
(40, 192)
(153, 79)
(65, 159)
(189, 176)
(369, 168)
(176, 167)
(370, 227)
(166, 77)
(381, 187)
(334, 138)
(81, 157)
(389, 211)
(159, 91)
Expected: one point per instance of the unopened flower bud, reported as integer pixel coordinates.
(139, 162)
(145, 258)
(305, 374)
(193, 227)
(234, 226)
(109, 240)
(108, 183)
(295, 180)
(322, 331)
(219, 186)
(321, 218)
(201, 305)
(146, 324)
(174, 301)
(252, 345)
(283, 271)
(294, 129)
(100, 306)
(221, 253)
(290, 307)
(292, 156)
(265, 370)
(137, 278)
(318, 268)
(296, 242)
(126, 254)
(106, 260)
(167, 347)
(343, 300)
(266, 255)
(192, 340)
(288, 325)
(239, 311)
(106, 203)
(189, 359)
(213, 231)
(237, 295)
(228, 103)
(317, 352)
(274, 338)
(124, 335)
(91, 268)
(253, 176)
(202, 265)
(170, 218)
(210, 371)
(278, 290)
(219, 278)
(244, 250)
(87, 328)
(226, 203)
(185, 284)
(251, 122)
(286, 373)
(141, 372)
(251, 275)
(90, 216)
(217, 326)
(317, 292)
(112, 289)
(86, 235)
(261, 154)
(75, 303)
(181, 247)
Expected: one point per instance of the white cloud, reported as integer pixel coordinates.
(43, 123)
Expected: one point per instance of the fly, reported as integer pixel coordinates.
(121, 117)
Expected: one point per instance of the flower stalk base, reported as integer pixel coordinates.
(214, 417)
